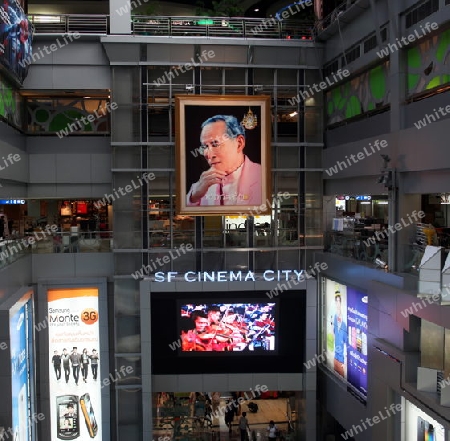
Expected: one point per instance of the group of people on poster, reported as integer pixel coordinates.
(75, 362)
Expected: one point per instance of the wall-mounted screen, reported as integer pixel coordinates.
(344, 333)
(228, 327)
(227, 332)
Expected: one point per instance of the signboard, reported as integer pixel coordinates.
(12, 202)
(22, 369)
(344, 333)
(74, 365)
(238, 276)
(419, 425)
(15, 38)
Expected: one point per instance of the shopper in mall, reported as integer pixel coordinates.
(272, 431)
(243, 426)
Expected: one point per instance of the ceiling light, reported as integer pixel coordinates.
(293, 114)
(46, 19)
(256, 10)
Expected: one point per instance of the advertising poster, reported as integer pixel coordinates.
(22, 368)
(15, 39)
(74, 364)
(336, 334)
(357, 340)
(223, 154)
(345, 333)
(420, 426)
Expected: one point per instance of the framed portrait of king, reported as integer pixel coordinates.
(223, 154)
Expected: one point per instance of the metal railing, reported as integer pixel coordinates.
(176, 26)
(70, 23)
(11, 249)
(322, 24)
(221, 27)
(81, 242)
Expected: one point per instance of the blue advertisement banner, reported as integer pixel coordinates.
(344, 334)
(15, 38)
(22, 370)
(357, 340)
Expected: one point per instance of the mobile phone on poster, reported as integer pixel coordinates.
(67, 408)
(89, 417)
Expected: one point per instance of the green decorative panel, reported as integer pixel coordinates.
(364, 93)
(11, 105)
(428, 64)
(68, 116)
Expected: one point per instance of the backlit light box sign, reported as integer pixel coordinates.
(420, 426)
(344, 333)
(74, 344)
(22, 368)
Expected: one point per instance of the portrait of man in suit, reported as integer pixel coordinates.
(223, 154)
(232, 178)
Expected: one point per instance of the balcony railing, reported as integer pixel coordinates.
(64, 24)
(221, 27)
(176, 26)
(13, 248)
(322, 24)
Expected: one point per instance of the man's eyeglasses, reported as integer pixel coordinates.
(213, 144)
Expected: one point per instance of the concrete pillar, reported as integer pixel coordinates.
(120, 16)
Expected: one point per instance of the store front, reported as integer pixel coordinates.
(26, 215)
(202, 413)
(359, 227)
(211, 339)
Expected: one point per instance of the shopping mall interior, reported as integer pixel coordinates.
(218, 214)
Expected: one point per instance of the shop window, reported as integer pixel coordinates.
(69, 116)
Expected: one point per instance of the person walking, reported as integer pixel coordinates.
(272, 431)
(2, 226)
(75, 359)
(94, 363)
(56, 360)
(229, 415)
(243, 426)
(65, 357)
(84, 364)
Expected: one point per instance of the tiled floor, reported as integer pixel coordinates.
(191, 428)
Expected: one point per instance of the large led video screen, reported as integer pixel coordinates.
(227, 332)
(22, 366)
(74, 364)
(344, 333)
(228, 327)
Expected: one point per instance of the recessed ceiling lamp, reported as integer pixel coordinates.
(256, 10)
